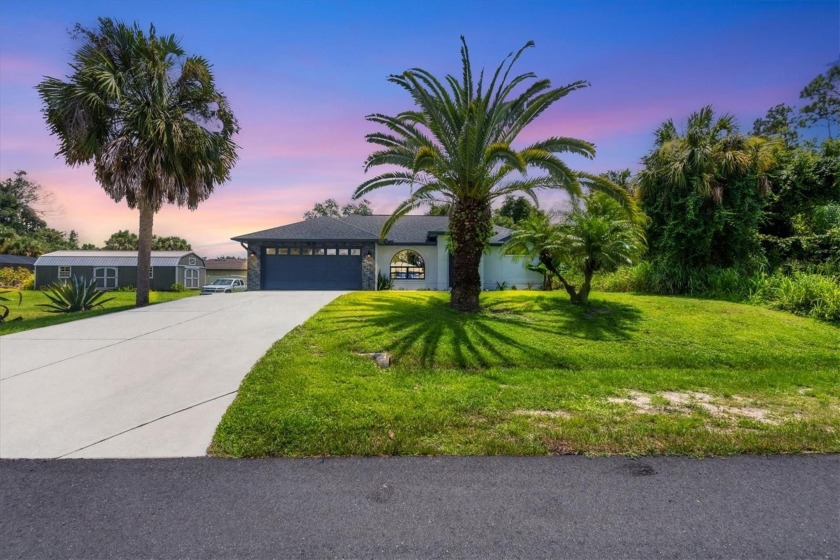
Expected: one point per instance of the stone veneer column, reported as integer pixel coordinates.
(254, 267)
(368, 272)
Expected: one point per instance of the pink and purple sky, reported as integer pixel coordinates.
(301, 76)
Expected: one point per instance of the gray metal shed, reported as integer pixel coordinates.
(118, 269)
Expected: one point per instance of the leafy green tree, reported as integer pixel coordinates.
(123, 240)
(806, 184)
(824, 95)
(512, 211)
(13, 244)
(456, 146)
(37, 243)
(704, 191)
(18, 197)
(598, 234)
(172, 243)
(23, 231)
(148, 117)
(89, 247)
(331, 208)
(54, 240)
(779, 122)
(327, 208)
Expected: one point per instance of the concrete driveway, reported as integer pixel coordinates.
(150, 382)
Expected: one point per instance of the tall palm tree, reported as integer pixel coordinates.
(149, 118)
(456, 147)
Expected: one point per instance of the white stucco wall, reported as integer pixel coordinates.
(500, 268)
(494, 268)
(384, 254)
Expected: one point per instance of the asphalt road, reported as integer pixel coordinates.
(553, 507)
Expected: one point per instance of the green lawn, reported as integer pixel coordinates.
(35, 317)
(534, 375)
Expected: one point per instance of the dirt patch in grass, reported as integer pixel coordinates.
(559, 447)
(687, 401)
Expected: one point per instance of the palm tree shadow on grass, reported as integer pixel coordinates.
(598, 320)
(430, 334)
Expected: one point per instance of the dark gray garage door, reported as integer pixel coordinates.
(329, 270)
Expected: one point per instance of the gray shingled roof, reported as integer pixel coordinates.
(110, 258)
(17, 260)
(410, 230)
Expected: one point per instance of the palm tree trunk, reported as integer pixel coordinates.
(548, 261)
(582, 297)
(144, 254)
(469, 228)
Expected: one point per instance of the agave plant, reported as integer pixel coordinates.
(76, 295)
(4, 310)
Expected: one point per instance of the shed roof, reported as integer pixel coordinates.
(409, 230)
(17, 259)
(110, 258)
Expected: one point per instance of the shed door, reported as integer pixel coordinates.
(312, 268)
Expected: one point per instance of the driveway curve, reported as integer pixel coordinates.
(151, 382)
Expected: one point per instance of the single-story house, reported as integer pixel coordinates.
(17, 261)
(118, 269)
(226, 268)
(345, 253)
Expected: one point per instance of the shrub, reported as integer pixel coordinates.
(16, 277)
(383, 282)
(126, 289)
(657, 278)
(76, 295)
(177, 288)
(802, 293)
(811, 292)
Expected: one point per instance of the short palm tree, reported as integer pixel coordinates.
(457, 147)
(149, 118)
(597, 235)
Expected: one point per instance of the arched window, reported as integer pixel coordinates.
(408, 265)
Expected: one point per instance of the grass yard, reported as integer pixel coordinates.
(35, 317)
(534, 375)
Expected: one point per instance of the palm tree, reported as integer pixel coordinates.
(689, 180)
(149, 118)
(597, 235)
(710, 153)
(536, 237)
(600, 235)
(456, 147)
